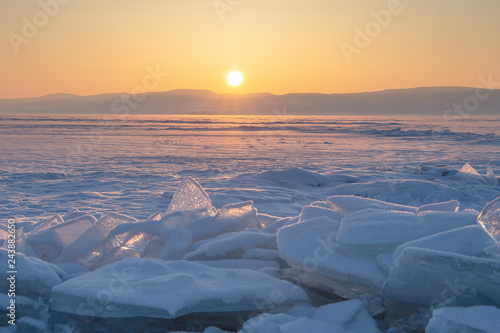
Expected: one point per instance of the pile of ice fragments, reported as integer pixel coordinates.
(347, 264)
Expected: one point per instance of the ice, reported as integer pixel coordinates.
(448, 206)
(343, 317)
(231, 217)
(489, 218)
(421, 279)
(261, 254)
(48, 223)
(73, 214)
(307, 325)
(371, 231)
(468, 174)
(469, 241)
(50, 243)
(214, 330)
(484, 319)
(274, 227)
(88, 246)
(177, 245)
(4, 233)
(34, 277)
(310, 247)
(347, 204)
(168, 289)
(266, 323)
(32, 325)
(252, 264)
(351, 315)
(266, 219)
(385, 261)
(170, 237)
(401, 191)
(191, 197)
(231, 245)
(490, 176)
(310, 212)
(139, 244)
(71, 269)
(322, 204)
(22, 244)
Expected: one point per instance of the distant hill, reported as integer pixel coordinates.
(415, 101)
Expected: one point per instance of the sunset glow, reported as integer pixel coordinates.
(94, 47)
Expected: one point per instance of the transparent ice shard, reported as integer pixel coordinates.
(89, 246)
(489, 218)
(190, 197)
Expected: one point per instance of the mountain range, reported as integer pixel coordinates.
(452, 101)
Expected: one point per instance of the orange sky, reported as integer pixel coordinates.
(95, 46)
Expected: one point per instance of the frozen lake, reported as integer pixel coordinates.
(251, 224)
(52, 164)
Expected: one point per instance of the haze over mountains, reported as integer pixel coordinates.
(437, 101)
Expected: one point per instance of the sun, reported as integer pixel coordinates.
(234, 78)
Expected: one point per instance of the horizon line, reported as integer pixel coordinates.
(243, 94)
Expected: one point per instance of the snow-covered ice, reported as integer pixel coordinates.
(169, 289)
(342, 317)
(231, 245)
(310, 247)
(275, 219)
(485, 319)
(34, 278)
(423, 278)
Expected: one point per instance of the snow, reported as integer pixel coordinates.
(289, 178)
(485, 319)
(169, 289)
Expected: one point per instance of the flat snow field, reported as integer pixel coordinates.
(133, 164)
